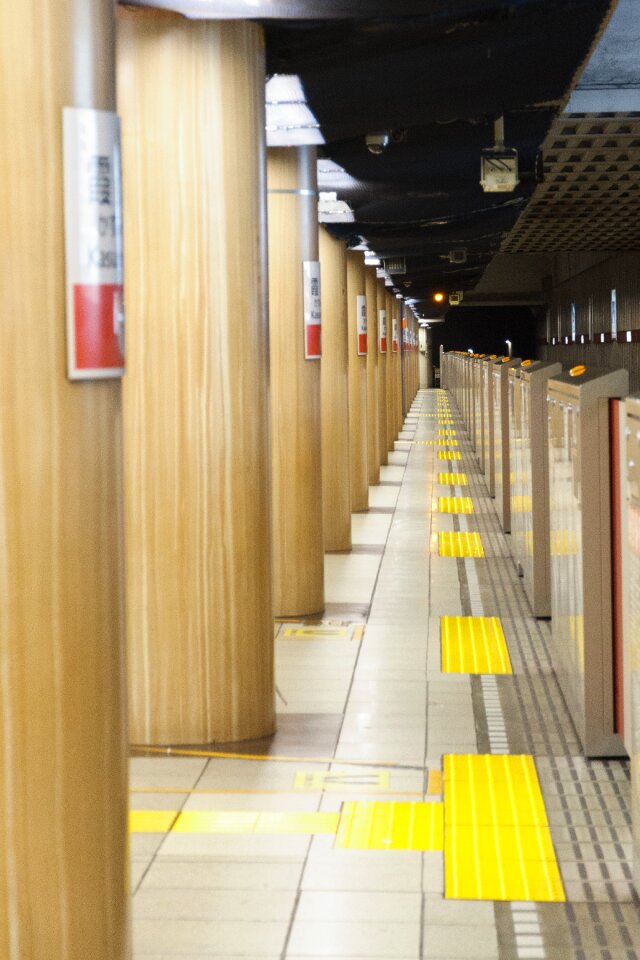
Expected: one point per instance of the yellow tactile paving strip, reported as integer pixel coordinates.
(447, 433)
(449, 455)
(455, 505)
(473, 645)
(497, 840)
(456, 544)
(231, 822)
(453, 479)
(386, 825)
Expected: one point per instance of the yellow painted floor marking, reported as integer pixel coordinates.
(151, 821)
(143, 750)
(447, 433)
(373, 825)
(497, 840)
(344, 782)
(434, 783)
(358, 633)
(232, 822)
(455, 544)
(453, 479)
(449, 455)
(300, 632)
(473, 645)
(455, 505)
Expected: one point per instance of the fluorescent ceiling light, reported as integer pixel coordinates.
(331, 176)
(332, 210)
(290, 122)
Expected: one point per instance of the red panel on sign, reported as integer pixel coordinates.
(362, 343)
(97, 346)
(314, 337)
(383, 344)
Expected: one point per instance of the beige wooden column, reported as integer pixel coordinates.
(298, 558)
(391, 370)
(382, 375)
(357, 388)
(397, 407)
(336, 479)
(197, 464)
(373, 412)
(63, 800)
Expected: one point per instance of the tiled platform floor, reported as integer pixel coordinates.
(368, 716)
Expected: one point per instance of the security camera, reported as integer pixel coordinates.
(377, 142)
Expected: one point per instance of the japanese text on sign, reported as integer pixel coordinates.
(93, 244)
(312, 310)
(361, 315)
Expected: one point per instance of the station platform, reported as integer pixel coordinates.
(425, 795)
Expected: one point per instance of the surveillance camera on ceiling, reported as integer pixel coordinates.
(377, 142)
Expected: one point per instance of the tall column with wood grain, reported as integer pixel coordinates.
(63, 801)
(391, 372)
(196, 397)
(373, 412)
(357, 345)
(383, 340)
(298, 557)
(336, 456)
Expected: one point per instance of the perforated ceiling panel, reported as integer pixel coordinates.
(590, 195)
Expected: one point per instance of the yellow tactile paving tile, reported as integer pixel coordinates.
(231, 822)
(456, 544)
(473, 645)
(521, 504)
(389, 825)
(449, 455)
(455, 505)
(447, 433)
(563, 543)
(453, 479)
(448, 442)
(497, 840)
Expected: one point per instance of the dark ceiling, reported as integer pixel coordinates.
(437, 80)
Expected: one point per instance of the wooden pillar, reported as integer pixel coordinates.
(391, 369)
(336, 480)
(197, 468)
(373, 414)
(295, 387)
(397, 412)
(357, 386)
(63, 801)
(383, 340)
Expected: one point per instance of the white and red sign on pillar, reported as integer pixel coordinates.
(361, 317)
(394, 335)
(382, 330)
(312, 310)
(93, 244)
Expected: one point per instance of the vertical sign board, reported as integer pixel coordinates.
(361, 319)
(93, 244)
(614, 314)
(312, 310)
(382, 331)
(394, 335)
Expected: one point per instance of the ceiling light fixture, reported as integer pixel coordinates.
(332, 210)
(289, 122)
